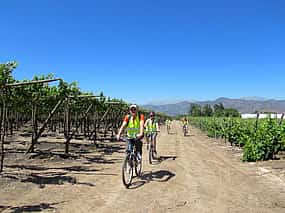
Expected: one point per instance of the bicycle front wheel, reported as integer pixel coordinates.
(138, 168)
(127, 171)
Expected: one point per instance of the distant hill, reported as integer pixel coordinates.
(243, 105)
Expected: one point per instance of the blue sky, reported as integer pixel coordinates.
(147, 50)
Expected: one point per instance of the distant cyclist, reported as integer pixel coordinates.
(151, 129)
(168, 125)
(185, 125)
(134, 124)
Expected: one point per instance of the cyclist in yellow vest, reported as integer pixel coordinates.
(168, 125)
(134, 124)
(184, 121)
(151, 129)
(185, 124)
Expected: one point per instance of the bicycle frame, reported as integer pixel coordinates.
(130, 163)
(185, 130)
(151, 146)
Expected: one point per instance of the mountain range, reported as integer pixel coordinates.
(243, 105)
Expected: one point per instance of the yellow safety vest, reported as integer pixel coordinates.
(151, 126)
(133, 127)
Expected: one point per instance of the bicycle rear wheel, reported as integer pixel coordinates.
(127, 171)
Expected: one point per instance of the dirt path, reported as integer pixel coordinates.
(193, 175)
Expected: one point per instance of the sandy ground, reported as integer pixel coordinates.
(193, 174)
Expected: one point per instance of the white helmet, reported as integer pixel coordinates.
(133, 106)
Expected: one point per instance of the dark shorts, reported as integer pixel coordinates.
(151, 135)
(137, 143)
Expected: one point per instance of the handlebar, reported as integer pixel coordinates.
(125, 139)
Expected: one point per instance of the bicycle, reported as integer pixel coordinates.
(150, 147)
(168, 128)
(185, 129)
(131, 163)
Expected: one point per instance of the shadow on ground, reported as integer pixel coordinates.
(42, 168)
(30, 208)
(147, 177)
(163, 158)
(160, 159)
(48, 178)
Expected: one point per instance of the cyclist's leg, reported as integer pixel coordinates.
(130, 144)
(154, 141)
(147, 138)
(138, 146)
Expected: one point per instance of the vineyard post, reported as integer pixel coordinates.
(256, 122)
(224, 131)
(114, 124)
(66, 123)
(69, 137)
(2, 133)
(280, 123)
(34, 107)
(41, 130)
(11, 122)
(34, 127)
(94, 132)
(109, 110)
(231, 130)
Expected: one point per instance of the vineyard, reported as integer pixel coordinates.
(261, 139)
(58, 154)
(48, 106)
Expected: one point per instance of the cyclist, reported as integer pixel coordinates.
(168, 124)
(151, 127)
(185, 124)
(134, 124)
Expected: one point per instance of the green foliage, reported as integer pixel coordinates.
(261, 143)
(219, 110)
(195, 110)
(230, 112)
(207, 110)
(268, 141)
(44, 96)
(6, 72)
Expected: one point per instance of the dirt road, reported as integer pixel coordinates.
(193, 174)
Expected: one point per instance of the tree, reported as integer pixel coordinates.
(207, 110)
(195, 110)
(219, 110)
(230, 112)
(6, 72)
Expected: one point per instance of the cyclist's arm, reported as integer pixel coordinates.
(145, 124)
(141, 126)
(124, 124)
(141, 129)
(157, 127)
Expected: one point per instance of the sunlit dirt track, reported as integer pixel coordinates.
(191, 175)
